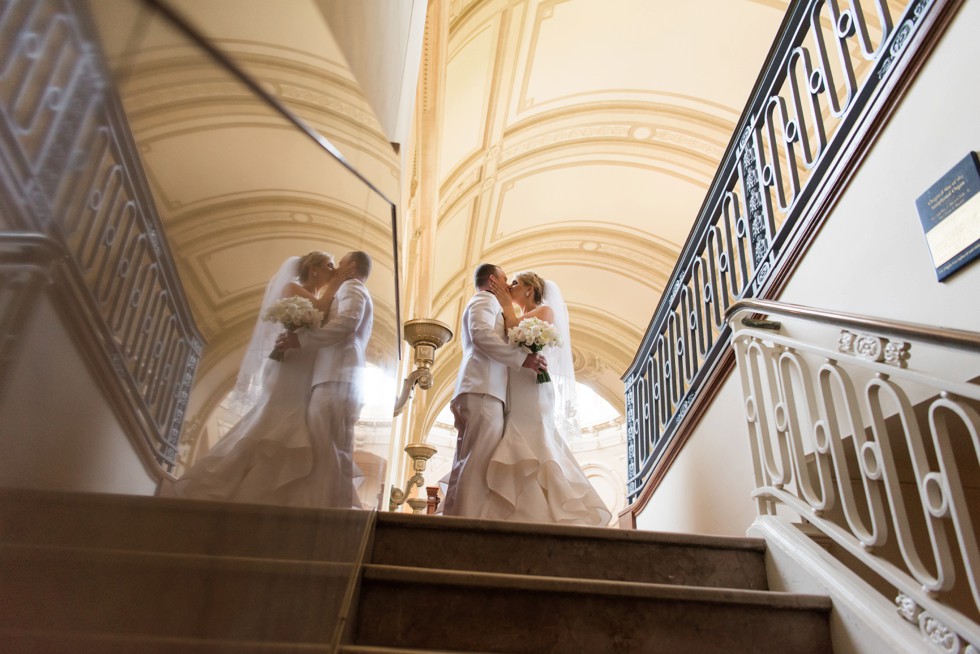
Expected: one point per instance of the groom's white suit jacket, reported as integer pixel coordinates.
(342, 342)
(486, 353)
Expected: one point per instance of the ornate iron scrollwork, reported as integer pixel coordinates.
(76, 180)
(786, 152)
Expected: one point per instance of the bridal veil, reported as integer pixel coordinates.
(561, 366)
(248, 387)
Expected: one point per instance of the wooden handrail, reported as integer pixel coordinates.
(945, 336)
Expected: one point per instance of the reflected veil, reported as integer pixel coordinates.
(248, 387)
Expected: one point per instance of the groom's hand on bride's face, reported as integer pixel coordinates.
(347, 270)
(536, 362)
(502, 292)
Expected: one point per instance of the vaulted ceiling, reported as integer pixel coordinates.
(576, 138)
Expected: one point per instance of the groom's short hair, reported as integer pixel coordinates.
(483, 273)
(362, 263)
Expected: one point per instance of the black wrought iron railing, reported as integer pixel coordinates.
(830, 74)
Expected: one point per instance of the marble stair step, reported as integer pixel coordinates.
(38, 642)
(531, 614)
(46, 642)
(169, 595)
(366, 649)
(563, 551)
(95, 520)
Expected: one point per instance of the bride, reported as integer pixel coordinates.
(267, 457)
(533, 476)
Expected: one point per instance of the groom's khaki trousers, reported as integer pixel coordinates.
(333, 410)
(479, 421)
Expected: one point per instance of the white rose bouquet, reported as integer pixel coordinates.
(535, 334)
(292, 313)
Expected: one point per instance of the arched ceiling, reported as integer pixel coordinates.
(576, 138)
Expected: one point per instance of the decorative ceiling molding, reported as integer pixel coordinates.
(597, 246)
(638, 106)
(216, 112)
(703, 132)
(465, 13)
(204, 238)
(149, 87)
(598, 133)
(545, 11)
(240, 217)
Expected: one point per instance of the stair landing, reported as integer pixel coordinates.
(85, 573)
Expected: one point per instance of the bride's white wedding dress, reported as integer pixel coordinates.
(267, 457)
(533, 475)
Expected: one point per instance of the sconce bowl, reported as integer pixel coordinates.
(418, 504)
(426, 331)
(420, 451)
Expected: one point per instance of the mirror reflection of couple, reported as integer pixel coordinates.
(512, 461)
(295, 446)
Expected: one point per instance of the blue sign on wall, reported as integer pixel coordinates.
(950, 215)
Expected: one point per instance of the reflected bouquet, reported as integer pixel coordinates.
(292, 313)
(535, 334)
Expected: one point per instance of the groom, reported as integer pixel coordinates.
(338, 388)
(481, 393)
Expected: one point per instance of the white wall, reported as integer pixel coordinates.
(57, 430)
(707, 489)
(869, 258)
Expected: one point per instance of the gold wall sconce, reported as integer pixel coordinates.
(425, 336)
(420, 453)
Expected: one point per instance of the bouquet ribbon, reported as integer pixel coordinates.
(543, 376)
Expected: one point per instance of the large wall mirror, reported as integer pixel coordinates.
(240, 188)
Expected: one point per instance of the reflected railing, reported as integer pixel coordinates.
(831, 74)
(70, 176)
(864, 429)
(176, 180)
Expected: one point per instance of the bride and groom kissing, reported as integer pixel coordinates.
(295, 446)
(511, 461)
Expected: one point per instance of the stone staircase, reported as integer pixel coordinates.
(115, 574)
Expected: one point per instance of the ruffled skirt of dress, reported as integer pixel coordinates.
(267, 457)
(533, 475)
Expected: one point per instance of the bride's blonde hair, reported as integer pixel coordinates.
(310, 261)
(533, 280)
